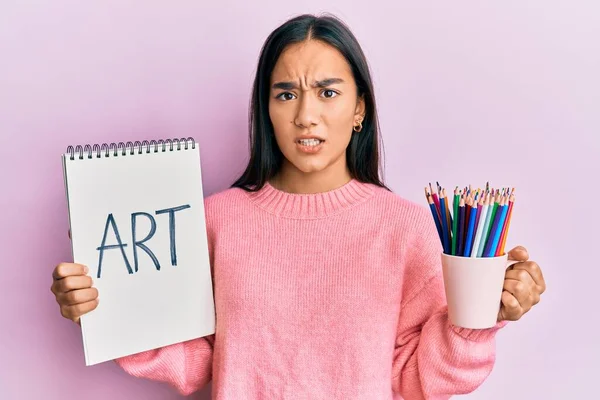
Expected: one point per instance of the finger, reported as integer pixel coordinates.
(534, 271)
(63, 270)
(71, 283)
(520, 291)
(511, 310)
(524, 277)
(520, 275)
(518, 253)
(76, 311)
(77, 296)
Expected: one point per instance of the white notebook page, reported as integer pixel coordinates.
(155, 293)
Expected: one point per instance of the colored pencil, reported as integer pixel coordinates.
(488, 222)
(449, 218)
(448, 215)
(495, 227)
(481, 195)
(467, 216)
(455, 222)
(446, 239)
(477, 222)
(494, 206)
(470, 228)
(482, 217)
(477, 216)
(511, 202)
(498, 232)
(434, 214)
(461, 224)
(436, 200)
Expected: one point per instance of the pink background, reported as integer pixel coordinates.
(504, 91)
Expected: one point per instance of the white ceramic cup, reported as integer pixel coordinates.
(474, 289)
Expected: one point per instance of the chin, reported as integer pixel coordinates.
(310, 168)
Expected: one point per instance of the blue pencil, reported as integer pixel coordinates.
(448, 213)
(496, 239)
(435, 215)
(444, 223)
(470, 229)
(494, 228)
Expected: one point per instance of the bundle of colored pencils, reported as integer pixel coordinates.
(477, 225)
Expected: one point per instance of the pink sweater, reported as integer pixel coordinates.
(336, 295)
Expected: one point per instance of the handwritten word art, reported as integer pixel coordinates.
(139, 244)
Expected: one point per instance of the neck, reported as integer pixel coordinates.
(290, 179)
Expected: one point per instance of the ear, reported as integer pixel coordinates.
(359, 112)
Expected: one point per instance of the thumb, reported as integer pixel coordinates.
(518, 253)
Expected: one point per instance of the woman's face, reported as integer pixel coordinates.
(313, 107)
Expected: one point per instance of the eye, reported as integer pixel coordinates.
(328, 93)
(285, 96)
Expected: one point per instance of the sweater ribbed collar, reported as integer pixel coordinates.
(313, 205)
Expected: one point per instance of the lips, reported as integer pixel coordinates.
(304, 138)
(309, 145)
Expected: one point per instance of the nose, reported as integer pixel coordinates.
(308, 113)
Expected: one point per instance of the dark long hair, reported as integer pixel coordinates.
(362, 154)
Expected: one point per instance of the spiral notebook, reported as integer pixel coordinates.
(136, 213)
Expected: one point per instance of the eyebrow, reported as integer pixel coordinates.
(318, 84)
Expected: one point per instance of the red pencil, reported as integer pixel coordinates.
(436, 201)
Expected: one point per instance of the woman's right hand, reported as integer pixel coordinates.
(73, 290)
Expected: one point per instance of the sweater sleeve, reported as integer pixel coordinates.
(434, 359)
(187, 366)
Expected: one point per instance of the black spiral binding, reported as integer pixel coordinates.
(129, 147)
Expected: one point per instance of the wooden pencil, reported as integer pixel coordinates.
(511, 202)
(470, 228)
(483, 214)
(468, 205)
(436, 200)
(448, 213)
(444, 219)
(461, 224)
(488, 219)
(481, 195)
(495, 227)
(498, 232)
(448, 217)
(455, 221)
(494, 206)
(434, 214)
(478, 202)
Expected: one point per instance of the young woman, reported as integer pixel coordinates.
(327, 285)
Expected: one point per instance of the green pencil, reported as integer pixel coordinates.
(455, 220)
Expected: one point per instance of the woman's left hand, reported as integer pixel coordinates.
(523, 286)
